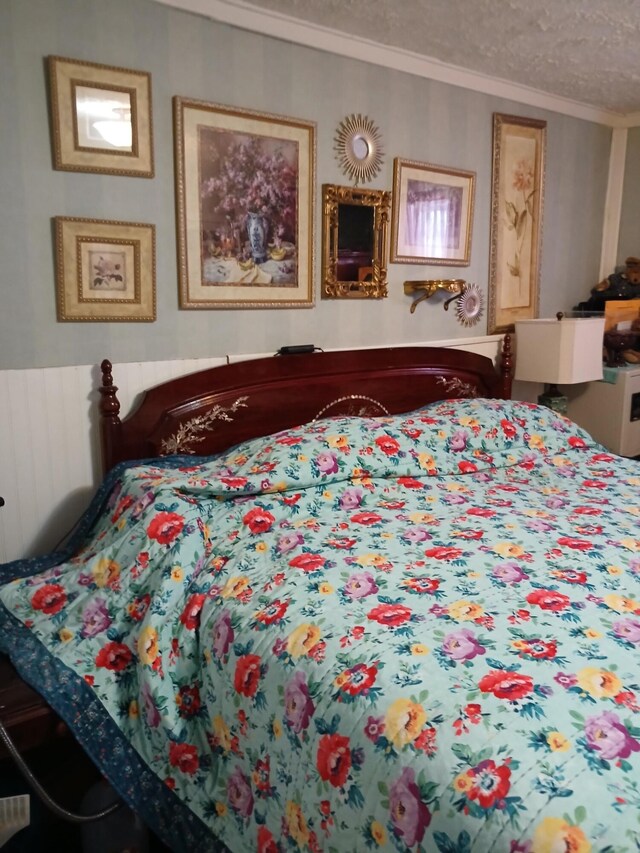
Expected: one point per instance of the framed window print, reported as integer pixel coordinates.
(101, 118)
(105, 270)
(245, 207)
(432, 214)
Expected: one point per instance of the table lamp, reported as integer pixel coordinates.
(559, 351)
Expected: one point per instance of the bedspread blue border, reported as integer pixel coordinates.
(72, 698)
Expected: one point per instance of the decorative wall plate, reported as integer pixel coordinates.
(358, 147)
(469, 305)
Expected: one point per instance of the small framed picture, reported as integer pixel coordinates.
(101, 118)
(105, 270)
(245, 184)
(432, 215)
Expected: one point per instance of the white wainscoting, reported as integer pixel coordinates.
(49, 440)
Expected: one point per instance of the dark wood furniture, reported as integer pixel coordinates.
(212, 410)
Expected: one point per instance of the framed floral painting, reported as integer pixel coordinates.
(105, 270)
(516, 220)
(245, 207)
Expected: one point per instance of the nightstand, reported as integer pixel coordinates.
(609, 409)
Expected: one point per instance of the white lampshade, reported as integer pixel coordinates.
(561, 352)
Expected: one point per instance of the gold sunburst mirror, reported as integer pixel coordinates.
(358, 147)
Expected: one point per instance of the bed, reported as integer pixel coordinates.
(349, 601)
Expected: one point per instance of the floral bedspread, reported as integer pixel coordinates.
(419, 632)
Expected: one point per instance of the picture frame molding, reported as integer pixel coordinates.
(461, 177)
(500, 317)
(242, 122)
(74, 237)
(65, 75)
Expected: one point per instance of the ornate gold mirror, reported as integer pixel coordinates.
(354, 242)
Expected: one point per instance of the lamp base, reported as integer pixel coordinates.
(553, 399)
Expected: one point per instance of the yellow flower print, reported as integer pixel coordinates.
(339, 441)
(555, 834)
(560, 461)
(325, 588)
(422, 518)
(241, 459)
(631, 544)
(620, 603)
(276, 728)
(464, 610)
(235, 587)
(474, 574)
(370, 560)
(508, 549)
(378, 833)
(302, 457)
(419, 649)
(221, 809)
(404, 721)
(633, 481)
(327, 495)
(296, 824)
(177, 574)
(105, 572)
(261, 547)
(599, 683)
(463, 783)
(134, 710)
(426, 461)
(558, 742)
(614, 570)
(536, 441)
(592, 634)
(302, 640)
(65, 634)
(148, 645)
(221, 733)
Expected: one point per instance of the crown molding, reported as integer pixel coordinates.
(248, 17)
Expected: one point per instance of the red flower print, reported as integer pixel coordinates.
(247, 675)
(410, 483)
(307, 562)
(574, 441)
(165, 526)
(266, 842)
(587, 510)
(190, 616)
(114, 656)
(443, 553)
(466, 467)
(366, 518)
(422, 585)
(188, 701)
(357, 679)
(50, 598)
(508, 429)
(258, 520)
(490, 783)
(184, 756)
(291, 500)
(334, 759)
(575, 544)
(390, 615)
(537, 649)
(481, 511)
(138, 607)
(506, 685)
(122, 506)
(388, 445)
(549, 599)
(594, 484)
(343, 544)
(273, 612)
(570, 575)
(234, 482)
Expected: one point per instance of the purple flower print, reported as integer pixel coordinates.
(634, 565)
(288, 542)
(327, 462)
(239, 793)
(374, 728)
(409, 815)
(351, 498)
(152, 714)
(607, 734)
(416, 534)
(565, 679)
(458, 441)
(223, 634)
(537, 525)
(141, 504)
(453, 499)
(462, 645)
(360, 585)
(298, 704)
(627, 629)
(95, 618)
(555, 502)
(509, 573)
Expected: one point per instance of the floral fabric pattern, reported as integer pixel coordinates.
(418, 632)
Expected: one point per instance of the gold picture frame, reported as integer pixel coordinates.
(354, 242)
(105, 270)
(516, 220)
(101, 118)
(245, 195)
(432, 218)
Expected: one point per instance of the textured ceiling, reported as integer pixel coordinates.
(584, 50)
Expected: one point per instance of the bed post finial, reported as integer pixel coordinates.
(109, 420)
(506, 366)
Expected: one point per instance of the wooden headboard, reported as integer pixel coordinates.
(209, 411)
